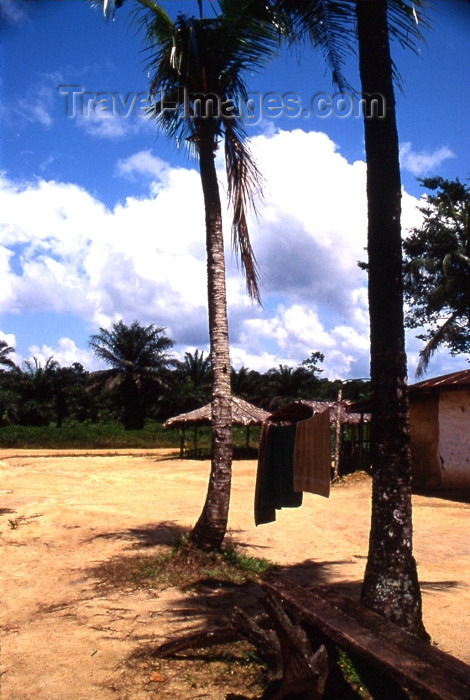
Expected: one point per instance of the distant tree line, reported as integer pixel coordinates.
(143, 380)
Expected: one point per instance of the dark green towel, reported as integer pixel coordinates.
(277, 484)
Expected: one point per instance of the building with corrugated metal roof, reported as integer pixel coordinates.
(440, 431)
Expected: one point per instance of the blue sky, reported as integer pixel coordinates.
(102, 219)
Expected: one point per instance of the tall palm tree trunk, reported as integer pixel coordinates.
(210, 529)
(390, 585)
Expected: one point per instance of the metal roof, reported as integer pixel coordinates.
(447, 381)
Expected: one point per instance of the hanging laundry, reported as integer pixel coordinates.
(294, 457)
(275, 477)
(264, 513)
(312, 455)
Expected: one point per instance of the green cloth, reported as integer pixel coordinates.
(275, 479)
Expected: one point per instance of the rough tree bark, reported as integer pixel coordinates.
(210, 529)
(390, 585)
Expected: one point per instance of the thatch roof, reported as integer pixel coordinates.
(332, 406)
(243, 413)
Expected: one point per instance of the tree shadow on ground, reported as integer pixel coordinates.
(456, 496)
(210, 596)
(166, 532)
(210, 601)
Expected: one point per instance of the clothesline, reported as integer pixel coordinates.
(294, 457)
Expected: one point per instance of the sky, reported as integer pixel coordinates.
(101, 218)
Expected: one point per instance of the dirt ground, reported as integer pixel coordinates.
(62, 513)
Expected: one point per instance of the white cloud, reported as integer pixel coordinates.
(10, 339)
(105, 126)
(425, 161)
(63, 251)
(35, 105)
(111, 124)
(65, 353)
(142, 163)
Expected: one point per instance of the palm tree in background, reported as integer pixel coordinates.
(5, 351)
(35, 388)
(286, 384)
(192, 381)
(137, 357)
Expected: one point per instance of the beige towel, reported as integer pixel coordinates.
(312, 455)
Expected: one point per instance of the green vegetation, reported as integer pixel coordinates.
(112, 435)
(183, 566)
(38, 400)
(437, 270)
(352, 677)
(86, 436)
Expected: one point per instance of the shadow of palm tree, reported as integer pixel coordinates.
(210, 601)
(149, 535)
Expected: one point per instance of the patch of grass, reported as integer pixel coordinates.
(75, 435)
(182, 566)
(111, 435)
(352, 677)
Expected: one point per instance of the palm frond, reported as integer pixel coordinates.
(407, 20)
(244, 180)
(206, 57)
(433, 344)
(329, 25)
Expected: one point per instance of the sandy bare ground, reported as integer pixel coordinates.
(64, 638)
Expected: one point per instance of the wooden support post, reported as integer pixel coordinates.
(337, 435)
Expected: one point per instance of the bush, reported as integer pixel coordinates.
(75, 435)
(111, 435)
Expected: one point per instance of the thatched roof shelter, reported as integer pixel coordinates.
(345, 415)
(243, 413)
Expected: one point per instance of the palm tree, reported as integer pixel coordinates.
(198, 84)
(248, 384)
(191, 382)
(390, 584)
(198, 68)
(137, 357)
(285, 384)
(35, 389)
(6, 350)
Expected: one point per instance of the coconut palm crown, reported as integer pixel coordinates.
(200, 98)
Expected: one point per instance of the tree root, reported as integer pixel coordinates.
(295, 670)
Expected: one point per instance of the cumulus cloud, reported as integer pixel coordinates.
(65, 353)
(63, 251)
(142, 163)
(423, 162)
